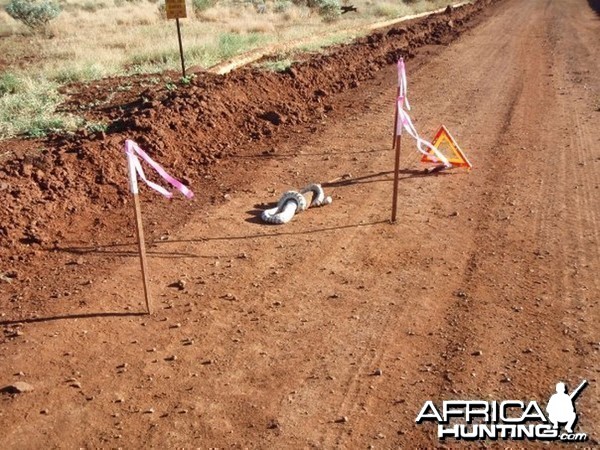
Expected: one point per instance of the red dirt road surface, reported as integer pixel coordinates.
(331, 331)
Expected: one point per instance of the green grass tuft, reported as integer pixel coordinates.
(30, 109)
(278, 65)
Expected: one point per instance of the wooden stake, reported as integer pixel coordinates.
(180, 48)
(397, 146)
(395, 118)
(142, 249)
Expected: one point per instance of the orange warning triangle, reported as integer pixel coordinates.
(448, 147)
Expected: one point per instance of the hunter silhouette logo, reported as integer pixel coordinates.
(508, 419)
(560, 406)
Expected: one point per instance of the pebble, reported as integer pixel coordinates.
(18, 387)
(171, 358)
(176, 325)
(179, 284)
(273, 424)
(45, 411)
(342, 419)
(477, 353)
(378, 372)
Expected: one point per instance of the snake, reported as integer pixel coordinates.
(292, 202)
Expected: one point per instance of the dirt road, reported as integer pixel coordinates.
(486, 288)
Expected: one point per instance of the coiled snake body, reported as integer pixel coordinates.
(292, 202)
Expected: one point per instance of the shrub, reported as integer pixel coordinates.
(32, 13)
(329, 9)
(282, 6)
(202, 5)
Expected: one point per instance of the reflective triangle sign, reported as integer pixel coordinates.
(446, 144)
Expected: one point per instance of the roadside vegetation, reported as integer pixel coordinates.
(45, 44)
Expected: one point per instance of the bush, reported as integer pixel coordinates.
(202, 5)
(328, 9)
(34, 14)
(282, 6)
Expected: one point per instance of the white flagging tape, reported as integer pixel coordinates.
(292, 202)
(134, 152)
(404, 121)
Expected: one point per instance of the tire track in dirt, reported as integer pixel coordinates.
(466, 338)
(541, 157)
(354, 395)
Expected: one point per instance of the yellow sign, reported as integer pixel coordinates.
(448, 147)
(175, 9)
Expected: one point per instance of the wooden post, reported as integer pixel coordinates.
(395, 118)
(133, 187)
(180, 47)
(142, 249)
(397, 146)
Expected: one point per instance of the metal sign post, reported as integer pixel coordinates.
(176, 10)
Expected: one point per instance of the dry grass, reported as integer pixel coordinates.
(96, 38)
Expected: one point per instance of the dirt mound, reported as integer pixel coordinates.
(188, 127)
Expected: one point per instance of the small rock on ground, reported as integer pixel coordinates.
(17, 387)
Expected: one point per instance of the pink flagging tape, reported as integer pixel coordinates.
(402, 84)
(133, 151)
(404, 121)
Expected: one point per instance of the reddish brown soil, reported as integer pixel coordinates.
(202, 124)
(486, 288)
